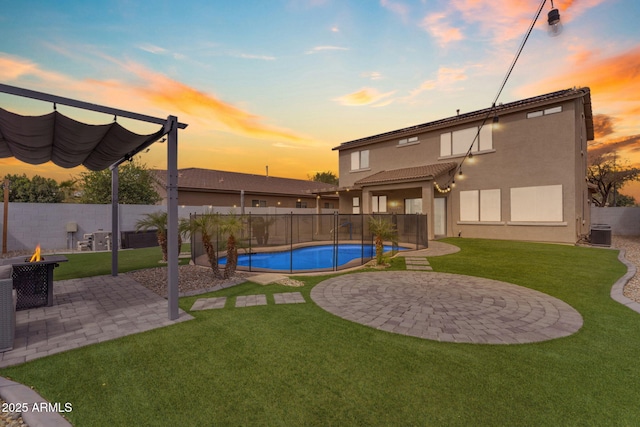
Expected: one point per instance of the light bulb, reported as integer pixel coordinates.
(555, 25)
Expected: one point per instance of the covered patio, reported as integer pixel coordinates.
(69, 143)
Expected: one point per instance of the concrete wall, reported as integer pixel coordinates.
(30, 224)
(623, 221)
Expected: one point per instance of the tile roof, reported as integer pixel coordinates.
(408, 174)
(223, 181)
(484, 113)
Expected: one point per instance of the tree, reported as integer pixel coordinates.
(34, 190)
(206, 225)
(327, 177)
(383, 230)
(608, 176)
(70, 191)
(230, 225)
(624, 200)
(158, 221)
(135, 185)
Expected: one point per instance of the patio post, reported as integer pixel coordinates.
(114, 220)
(172, 218)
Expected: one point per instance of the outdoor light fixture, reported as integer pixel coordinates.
(553, 17)
(555, 28)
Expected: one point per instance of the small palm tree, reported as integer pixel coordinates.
(230, 225)
(383, 230)
(158, 221)
(206, 225)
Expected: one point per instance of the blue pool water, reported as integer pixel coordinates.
(307, 258)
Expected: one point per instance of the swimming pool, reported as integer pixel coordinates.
(310, 258)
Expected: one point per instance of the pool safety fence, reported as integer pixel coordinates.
(286, 232)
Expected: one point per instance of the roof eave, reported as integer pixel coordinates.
(473, 116)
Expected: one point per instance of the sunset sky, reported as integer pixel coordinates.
(280, 83)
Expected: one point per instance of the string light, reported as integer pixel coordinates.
(553, 20)
(441, 190)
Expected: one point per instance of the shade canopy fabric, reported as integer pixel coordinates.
(67, 142)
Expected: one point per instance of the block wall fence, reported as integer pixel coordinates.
(30, 224)
(623, 221)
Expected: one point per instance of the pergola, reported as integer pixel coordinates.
(69, 143)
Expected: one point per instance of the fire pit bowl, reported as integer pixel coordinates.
(33, 281)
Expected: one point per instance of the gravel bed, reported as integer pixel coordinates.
(192, 280)
(631, 245)
(11, 419)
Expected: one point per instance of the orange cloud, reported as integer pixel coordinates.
(444, 34)
(612, 80)
(153, 90)
(364, 96)
(445, 79)
(13, 68)
(603, 125)
(160, 90)
(508, 19)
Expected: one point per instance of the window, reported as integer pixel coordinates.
(356, 205)
(301, 204)
(413, 206)
(411, 140)
(360, 160)
(546, 112)
(328, 205)
(536, 204)
(379, 204)
(458, 142)
(259, 203)
(480, 205)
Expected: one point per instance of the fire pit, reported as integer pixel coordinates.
(33, 280)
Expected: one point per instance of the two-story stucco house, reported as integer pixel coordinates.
(522, 176)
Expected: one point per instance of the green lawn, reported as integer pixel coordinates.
(298, 365)
(86, 264)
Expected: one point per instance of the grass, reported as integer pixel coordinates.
(87, 264)
(299, 365)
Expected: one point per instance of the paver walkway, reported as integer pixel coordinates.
(248, 301)
(417, 263)
(447, 307)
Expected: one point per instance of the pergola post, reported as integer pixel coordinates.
(172, 218)
(114, 220)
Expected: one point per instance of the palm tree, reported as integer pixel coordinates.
(383, 230)
(230, 225)
(157, 221)
(206, 225)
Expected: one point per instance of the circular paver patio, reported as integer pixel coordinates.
(447, 307)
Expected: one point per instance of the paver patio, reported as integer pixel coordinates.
(447, 307)
(87, 311)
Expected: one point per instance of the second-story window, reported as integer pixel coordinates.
(360, 160)
(412, 140)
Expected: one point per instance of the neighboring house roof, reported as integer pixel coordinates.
(408, 174)
(475, 115)
(196, 179)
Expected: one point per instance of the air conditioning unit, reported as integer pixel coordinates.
(601, 235)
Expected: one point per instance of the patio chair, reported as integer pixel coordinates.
(8, 299)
